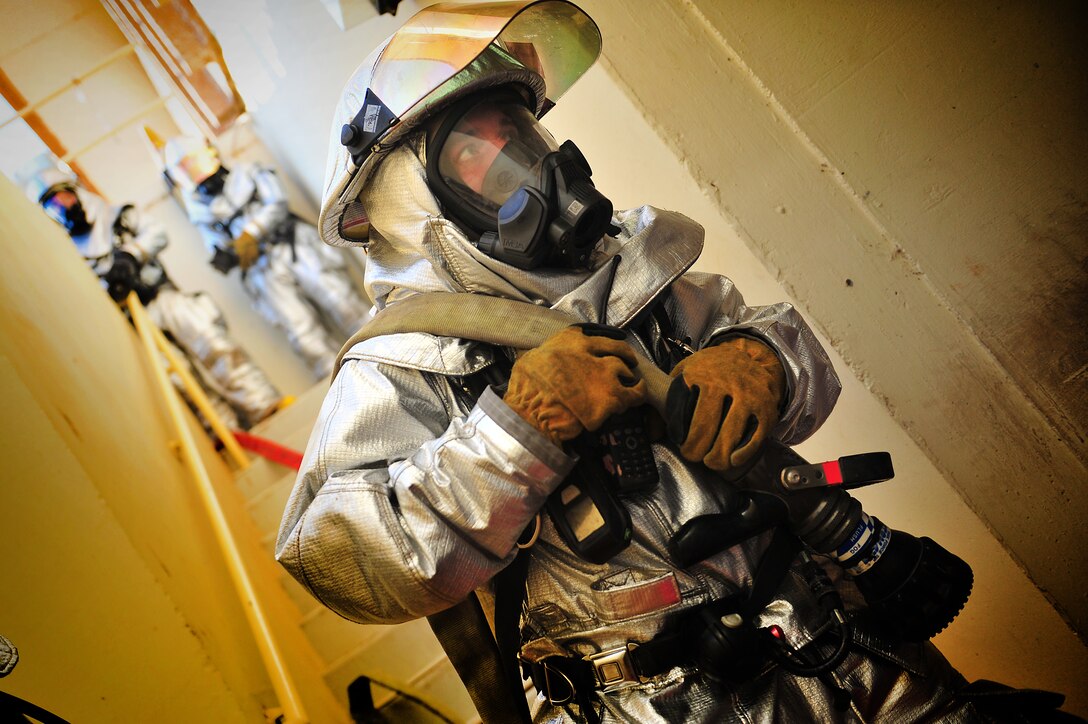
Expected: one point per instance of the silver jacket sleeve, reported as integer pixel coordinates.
(270, 206)
(400, 511)
(813, 387)
(200, 214)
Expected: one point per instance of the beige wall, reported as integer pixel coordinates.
(1008, 631)
(290, 60)
(913, 173)
(113, 590)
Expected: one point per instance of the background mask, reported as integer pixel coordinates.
(214, 184)
(66, 209)
(500, 175)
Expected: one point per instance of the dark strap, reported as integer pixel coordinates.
(509, 596)
(677, 645)
(466, 638)
(772, 568)
(12, 707)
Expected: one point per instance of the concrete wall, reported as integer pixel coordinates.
(114, 589)
(913, 173)
(1008, 631)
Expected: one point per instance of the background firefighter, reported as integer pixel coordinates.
(123, 249)
(297, 283)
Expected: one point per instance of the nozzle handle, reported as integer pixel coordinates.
(848, 472)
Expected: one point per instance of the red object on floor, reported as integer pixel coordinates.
(269, 449)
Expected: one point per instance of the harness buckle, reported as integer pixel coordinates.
(556, 686)
(614, 669)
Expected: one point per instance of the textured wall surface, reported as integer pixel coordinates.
(914, 175)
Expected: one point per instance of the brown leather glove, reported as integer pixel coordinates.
(575, 381)
(723, 402)
(247, 249)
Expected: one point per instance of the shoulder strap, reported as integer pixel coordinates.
(509, 598)
(491, 680)
(121, 229)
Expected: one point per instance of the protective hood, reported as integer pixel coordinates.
(414, 249)
(48, 181)
(99, 241)
(44, 174)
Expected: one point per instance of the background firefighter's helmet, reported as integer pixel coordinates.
(44, 176)
(543, 46)
(42, 179)
(189, 161)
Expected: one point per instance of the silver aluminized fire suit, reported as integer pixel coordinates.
(298, 284)
(237, 388)
(412, 495)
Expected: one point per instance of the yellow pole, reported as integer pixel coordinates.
(282, 683)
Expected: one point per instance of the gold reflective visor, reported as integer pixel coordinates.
(199, 165)
(553, 38)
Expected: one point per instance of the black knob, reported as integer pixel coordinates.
(349, 134)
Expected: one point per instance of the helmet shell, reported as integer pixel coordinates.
(441, 54)
(189, 161)
(45, 175)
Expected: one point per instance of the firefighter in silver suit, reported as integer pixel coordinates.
(297, 283)
(123, 250)
(433, 454)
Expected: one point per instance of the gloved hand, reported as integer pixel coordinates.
(575, 381)
(245, 246)
(122, 276)
(723, 402)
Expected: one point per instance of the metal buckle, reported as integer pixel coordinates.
(613, 669)
(549, 685)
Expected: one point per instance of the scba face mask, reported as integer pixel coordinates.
(214, 184)
(64, 207)
(499, 173)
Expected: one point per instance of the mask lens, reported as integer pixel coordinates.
(55, 209)
(491, 151)
(64, 208)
